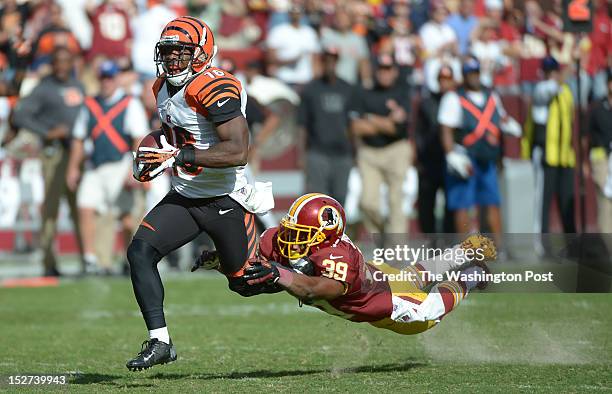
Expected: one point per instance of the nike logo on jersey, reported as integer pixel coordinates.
(331, 256)
(222, 103)
(224, 211)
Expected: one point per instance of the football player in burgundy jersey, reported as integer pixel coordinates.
(309, 256)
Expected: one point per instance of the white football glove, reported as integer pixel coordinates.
(164, 156)
(459, 163)
(142, 171)
(511, 127)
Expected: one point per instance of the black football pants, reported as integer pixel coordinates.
(174, 222)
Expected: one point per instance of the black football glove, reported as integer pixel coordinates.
(240, 286)
(262, 272)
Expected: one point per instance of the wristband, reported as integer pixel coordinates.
(186, 156)
(285, 277)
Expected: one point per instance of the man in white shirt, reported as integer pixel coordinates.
(438, 37)
(293, 50)
(490, 53)
(441, 46)
(114, 124)
(470, 120)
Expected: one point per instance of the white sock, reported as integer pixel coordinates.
(161, 334)
(90, 258)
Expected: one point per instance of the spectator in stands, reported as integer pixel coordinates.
(439, 44)
(50, 111)
(402, 43)
(463, 24)
(550, 28)
(438, 37)
(315, 14)
(534, 48)
(54, 34)
(114, 123)
(279, 13)
(236, 30)
(489, 51)
(381, 122)
(470, 119)
(324, 115)
(112, 33)
(506, 78)
(562, 46)
(366, 22)
(601, 143)
(419, 12)
(354, 55)
(206, 10)
(293, 50)
(547, 141)
(600, 53)
(75, 14)
(146, 28)
(13, 19)
(431, 154)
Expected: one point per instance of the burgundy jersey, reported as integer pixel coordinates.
(111, 32)
(364, 299)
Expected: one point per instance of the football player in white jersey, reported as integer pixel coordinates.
(204, 143)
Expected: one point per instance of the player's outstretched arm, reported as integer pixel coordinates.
(303, 287)
(232, 149)
(309, 288)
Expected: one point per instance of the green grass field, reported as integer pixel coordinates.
(491, 343)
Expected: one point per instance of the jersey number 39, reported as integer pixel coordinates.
(335, 269)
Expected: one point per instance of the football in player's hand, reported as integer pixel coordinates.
(141, 170)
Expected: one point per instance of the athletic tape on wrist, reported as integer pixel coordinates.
(186, 156)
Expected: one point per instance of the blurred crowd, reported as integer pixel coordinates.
(385, 95)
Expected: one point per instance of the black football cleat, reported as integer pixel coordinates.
(52, 271)
(208, 260)
(153, 352)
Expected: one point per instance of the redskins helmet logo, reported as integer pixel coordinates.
(329, 218)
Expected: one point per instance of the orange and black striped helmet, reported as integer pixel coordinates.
(186, 47)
